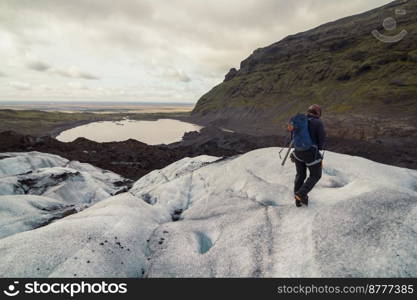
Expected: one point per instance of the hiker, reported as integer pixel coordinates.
(308, 135)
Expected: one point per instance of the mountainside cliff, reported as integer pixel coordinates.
(368, 88)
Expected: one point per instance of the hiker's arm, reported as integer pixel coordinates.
(321, 135)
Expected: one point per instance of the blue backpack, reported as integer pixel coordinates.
(301, 136)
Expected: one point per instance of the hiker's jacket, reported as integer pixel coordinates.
(312, 156)
(317, 132)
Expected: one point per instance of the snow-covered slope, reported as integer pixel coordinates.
(65, 186)
(47, 174)
(237, 218)
(25, 212)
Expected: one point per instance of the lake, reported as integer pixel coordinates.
(162, 131)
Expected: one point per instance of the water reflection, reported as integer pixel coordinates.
(162, 131)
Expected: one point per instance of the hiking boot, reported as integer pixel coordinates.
(304, 200)
(299, 200)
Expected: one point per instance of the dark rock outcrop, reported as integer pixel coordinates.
(217, 142)
(133, 159)
(229, 76)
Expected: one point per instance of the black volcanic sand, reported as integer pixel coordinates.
(133, 159)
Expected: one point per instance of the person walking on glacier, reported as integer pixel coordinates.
(308, 138)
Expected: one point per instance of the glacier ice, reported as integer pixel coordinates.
(15, 163)
(236, 219)
(67, 186)
(24, 212)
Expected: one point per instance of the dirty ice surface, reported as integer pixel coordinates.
(236, 218)
(37, 188)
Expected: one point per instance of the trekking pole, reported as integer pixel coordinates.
(287, 143)
(288, 153)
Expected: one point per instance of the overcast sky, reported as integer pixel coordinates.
(142, 50)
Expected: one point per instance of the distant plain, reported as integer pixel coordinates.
(51, 118)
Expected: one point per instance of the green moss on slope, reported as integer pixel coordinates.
(339, 65)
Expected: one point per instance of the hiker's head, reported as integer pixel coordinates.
(314, 110)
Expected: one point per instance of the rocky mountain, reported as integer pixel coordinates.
(233, 217)
(367, 87)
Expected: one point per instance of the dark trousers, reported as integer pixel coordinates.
(302, 186)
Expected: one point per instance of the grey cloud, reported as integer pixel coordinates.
(38, 66)
(88, 76)
(182, 76)
(178, 75)
(220, 33)
(21, 86)
(74, 73)
(202, 38)
(41, 66)
(205, 21)
(77, 85)
(2, 74)
(82, 10)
